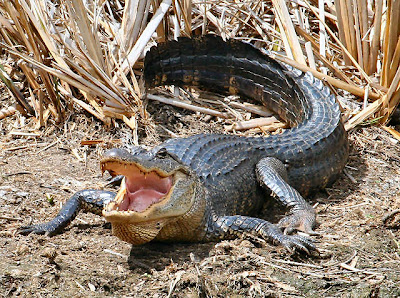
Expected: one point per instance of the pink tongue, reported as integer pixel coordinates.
(140, 200)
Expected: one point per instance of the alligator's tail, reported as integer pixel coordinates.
(210, 63)
(231, 67)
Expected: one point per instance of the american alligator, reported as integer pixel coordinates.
(209, 186)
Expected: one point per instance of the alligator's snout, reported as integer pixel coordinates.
(153, 192)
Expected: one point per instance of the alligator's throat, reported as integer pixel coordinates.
(143, 190)
(140, 189)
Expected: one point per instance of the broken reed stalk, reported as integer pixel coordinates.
(351, 28)
(394, 65)
(325, 60)
(364, 114)
(322, 31)
(390, 103)
(15, 91)
(185, 11)
(258, 110)
(288, 30)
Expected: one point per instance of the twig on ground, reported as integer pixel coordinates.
(187, 106)
(10, 218)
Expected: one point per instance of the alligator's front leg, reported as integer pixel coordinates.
(227, 227)
(89, 200)
(271, 173)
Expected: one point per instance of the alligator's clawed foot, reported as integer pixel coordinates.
(40, 229)
(297, 243)
(293, 243)
(299, 220)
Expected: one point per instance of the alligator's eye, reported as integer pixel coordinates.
(162, 153)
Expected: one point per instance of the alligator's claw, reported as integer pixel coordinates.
(291, 242)
(44, 228)
(297, 243)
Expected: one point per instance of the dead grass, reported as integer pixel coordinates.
(72, 53)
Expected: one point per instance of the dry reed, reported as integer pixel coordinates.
(89, 54)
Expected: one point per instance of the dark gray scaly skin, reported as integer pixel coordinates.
(240, 173)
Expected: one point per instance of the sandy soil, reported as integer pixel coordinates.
(359, 255)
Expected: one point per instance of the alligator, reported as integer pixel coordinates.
(208, 187)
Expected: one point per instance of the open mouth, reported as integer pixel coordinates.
(140, 189)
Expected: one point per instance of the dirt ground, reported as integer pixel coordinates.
(359, 254)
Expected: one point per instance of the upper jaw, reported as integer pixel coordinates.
(146, 161)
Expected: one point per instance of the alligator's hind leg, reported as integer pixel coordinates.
(89, 200)
(271, 173)
(227, 227)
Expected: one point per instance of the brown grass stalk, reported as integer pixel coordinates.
(362, 7)
(144, 38)
(375, 44)
(325, 60)
(351, 28)
(89, 36)
(160, 29)
(283, 15)
(357, 28)
(133, 22)
(185, 10)
(15, 91)
(342, 7)
(390, 103)
(394, 65)
(332, 34)
(343, 35)
(390, 41)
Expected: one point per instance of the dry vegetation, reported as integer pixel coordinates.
(73, 54)
(61, 57)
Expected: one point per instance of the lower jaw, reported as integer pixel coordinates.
(137, 234)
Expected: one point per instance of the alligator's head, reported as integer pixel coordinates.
(156, 189)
